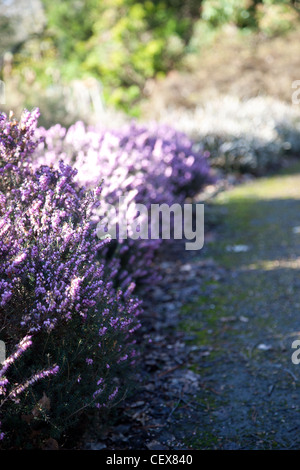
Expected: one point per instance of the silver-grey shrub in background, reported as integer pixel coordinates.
(250, 136)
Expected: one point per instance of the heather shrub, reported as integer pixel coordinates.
(241, 135)
(145, 164)
(68, 331)
(155, 159)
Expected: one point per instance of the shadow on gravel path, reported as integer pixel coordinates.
(242, 326)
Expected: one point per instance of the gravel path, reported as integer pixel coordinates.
(217, 370)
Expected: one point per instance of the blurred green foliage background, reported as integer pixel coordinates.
(122, 43)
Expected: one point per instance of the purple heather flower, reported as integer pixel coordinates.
(113, 394)
(102, 331)
(150, 164)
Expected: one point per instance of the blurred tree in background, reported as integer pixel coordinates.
(122, 43)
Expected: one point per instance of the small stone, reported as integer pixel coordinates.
(243, 319)
(238, 248)
(264, 347)
(137, 404)
(96, 446)
(155, 445)
(185, 268)
(227, 319)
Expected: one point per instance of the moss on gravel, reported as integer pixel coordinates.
(244, 324)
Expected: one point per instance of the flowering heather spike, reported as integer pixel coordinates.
(17, 143)
(21, 348)
(113, 394)
(38, 376)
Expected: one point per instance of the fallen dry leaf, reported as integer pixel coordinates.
(50, 444)
(42, 404)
